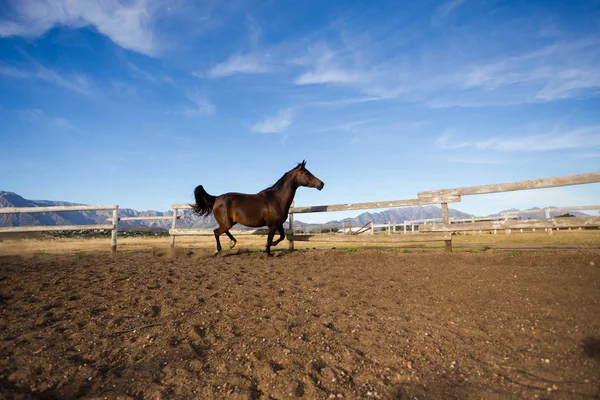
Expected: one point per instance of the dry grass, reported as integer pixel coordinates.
(539, 237)
(40, 244)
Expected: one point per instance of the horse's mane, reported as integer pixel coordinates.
(281, 180)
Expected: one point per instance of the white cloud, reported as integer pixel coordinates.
(328, 68)
(566, 68)
(39, 117)
(447, 8)
(587, 137)
(125, 23)
(202, 106)
(275, 124)
(76, 83)
(240, 64)
(322, 75)
(588, 155)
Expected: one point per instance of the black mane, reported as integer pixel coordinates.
(281, 180)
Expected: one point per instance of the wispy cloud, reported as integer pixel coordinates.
(275, 124)
(240, 64)
(201, 106)
(327, 67)
(445, 9)
(39, 117)
(587, 137)
(140, 73)
(586, 155)
(125, 23)
(76, 82)
(542, 72)
(476, 160)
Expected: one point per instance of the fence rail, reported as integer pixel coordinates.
(557, 181)
(443, 197)
(554, 223)
(48, 228)
(29, 210)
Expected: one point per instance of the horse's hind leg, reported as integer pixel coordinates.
(233, 241)
(225, 223)
(218, 233)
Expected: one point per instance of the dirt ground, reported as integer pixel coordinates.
(308, 324)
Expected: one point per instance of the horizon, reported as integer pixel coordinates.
(137, 103)
(353, 214)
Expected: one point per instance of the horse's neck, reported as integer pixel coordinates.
(287, 191)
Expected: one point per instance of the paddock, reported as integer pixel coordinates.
(178, 323)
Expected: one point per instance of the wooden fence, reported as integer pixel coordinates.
(441, 232)
(442, 197)
(47, 228)
(113, 226)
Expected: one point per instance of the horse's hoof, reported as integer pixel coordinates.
(232, 244)
(216, 253)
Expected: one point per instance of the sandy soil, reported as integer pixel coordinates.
(307, 324)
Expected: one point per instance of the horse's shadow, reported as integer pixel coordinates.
(591, 347)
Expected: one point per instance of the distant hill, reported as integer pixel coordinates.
(191, 220)
(9, 199)
(399, 215)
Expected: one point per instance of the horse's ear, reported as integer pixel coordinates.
(303, 163)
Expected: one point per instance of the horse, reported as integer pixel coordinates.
(269, 207)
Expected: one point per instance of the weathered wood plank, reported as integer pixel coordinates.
(165, 218)
(181, 207)
(360, 206)
(417, 237)
(115, 230)
(377, 204)
(573, 222)
(557, 181)
(48, 228)
(29, 210)
(209, 232)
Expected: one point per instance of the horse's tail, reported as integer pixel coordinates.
(204, 202)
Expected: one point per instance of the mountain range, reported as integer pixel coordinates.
(191, 220)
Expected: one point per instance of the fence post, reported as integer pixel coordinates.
(173, 225)
(115, 229)
(372, 229)
(291, 230)
(506, 219)
(405, 227)
(445, 218)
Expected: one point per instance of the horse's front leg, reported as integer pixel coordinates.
(233, 241)
(270, 239)
(281, 235)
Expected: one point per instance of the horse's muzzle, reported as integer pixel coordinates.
(320, 186)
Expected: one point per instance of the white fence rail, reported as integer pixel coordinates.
(47, 228)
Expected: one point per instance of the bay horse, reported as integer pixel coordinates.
(269, 207)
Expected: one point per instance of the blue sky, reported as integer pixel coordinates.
(136, 102)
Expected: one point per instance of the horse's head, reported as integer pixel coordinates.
(305, 178)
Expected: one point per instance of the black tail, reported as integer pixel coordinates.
(204, 202)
